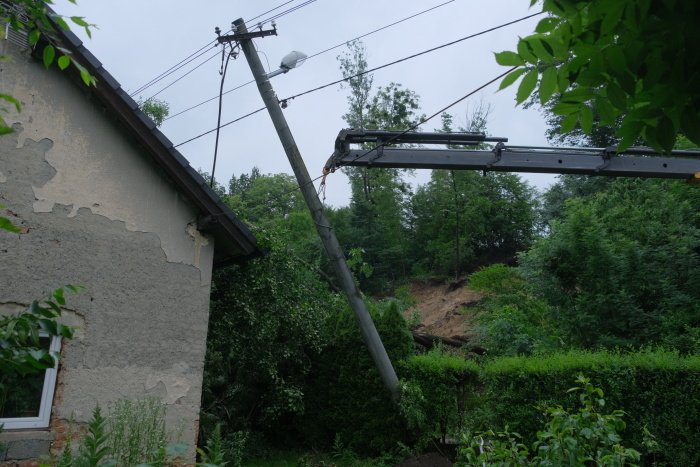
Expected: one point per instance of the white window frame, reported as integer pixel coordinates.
(44, 417)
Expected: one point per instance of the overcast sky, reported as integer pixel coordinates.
(137, 40)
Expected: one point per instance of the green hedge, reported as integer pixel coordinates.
(658, 390)
(445, 384)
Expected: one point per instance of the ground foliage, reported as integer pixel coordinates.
(657, 390)
(589, 436)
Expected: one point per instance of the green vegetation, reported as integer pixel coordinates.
(657, 390)
(630, 63)
(24, 351)
(587, 436)
(599, 278)
(133, 433)
(580, 280)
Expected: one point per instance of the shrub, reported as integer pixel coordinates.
(512, 321)
(586, 437)
(349, 404)
(659, 390)
(436, 393)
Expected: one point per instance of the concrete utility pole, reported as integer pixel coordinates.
(325, 231)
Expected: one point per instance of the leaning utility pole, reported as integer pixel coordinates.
(325, 231)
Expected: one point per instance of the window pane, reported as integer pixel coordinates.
(20, 396)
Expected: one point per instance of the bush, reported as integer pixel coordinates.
(512, 321)
(436, 391)
(349, 403)
(586, 437)
(265, 331)
(658, 390)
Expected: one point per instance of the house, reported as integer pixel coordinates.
(105, 201)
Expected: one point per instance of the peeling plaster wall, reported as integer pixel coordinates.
(95, 212)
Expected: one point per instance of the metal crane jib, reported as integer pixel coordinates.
(477, 151)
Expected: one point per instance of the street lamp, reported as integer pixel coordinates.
(291, 60)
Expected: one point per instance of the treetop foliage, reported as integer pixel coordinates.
(633, 60)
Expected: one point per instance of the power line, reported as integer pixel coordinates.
(191, 57)
(427, 119)
(208, 100)
(225, 124)
(286, 12)
(268, 11)
(341, 44)
(176, 67)
(380, 29)
(184, 75)
(470, 36)
(369, 71)
(411, 128)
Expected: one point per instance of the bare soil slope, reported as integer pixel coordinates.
(440, 306)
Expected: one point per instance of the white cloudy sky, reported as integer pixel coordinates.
(136, 40)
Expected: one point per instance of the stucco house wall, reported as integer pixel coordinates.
(95, 211)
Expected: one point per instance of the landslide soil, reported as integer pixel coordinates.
(441, 307)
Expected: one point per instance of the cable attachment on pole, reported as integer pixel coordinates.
(322, 186)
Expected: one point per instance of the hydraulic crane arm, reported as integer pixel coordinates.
(633, 162)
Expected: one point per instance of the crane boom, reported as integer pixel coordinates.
(459, 154)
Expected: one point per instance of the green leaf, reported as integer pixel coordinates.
(61, 22)
(508, 58)
(79, 20)
(612, 17)
(63, 62)
(543, 52)
(548, 84)
(525, 51)
(628, 132)
(33, 37)
(616, 95)
(586, 119)
(690, 124)
(569, 122)
(527, 85)
(562, 108)
(546, 24)
(666, 133)
(49, 55)
(11, 100)
(511, 78)
(606, 111)
(5, 223)
(59, 297)
(85, 75)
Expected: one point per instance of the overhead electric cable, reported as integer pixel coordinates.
(225, 124)
(411, 128)
(341, 44)
(286, 12)
(433, 49)
(181, 63)
(227, 57)
(175, 67)
(184, 75)
(369, 71)
(379, 29)
(439, 112)
(268, 11)
(172, 70)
